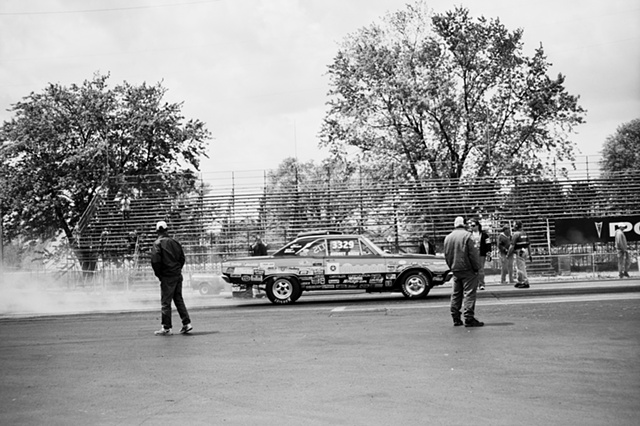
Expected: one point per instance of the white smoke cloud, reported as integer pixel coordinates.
(27, 294)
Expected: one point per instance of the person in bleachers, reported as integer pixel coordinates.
(104, 242)
(125, 207)
(132, 241)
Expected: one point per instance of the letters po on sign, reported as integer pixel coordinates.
(627, 227)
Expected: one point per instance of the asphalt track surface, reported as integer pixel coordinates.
(558, 354)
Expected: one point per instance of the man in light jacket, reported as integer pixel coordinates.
(463, 259)
(506, 261)
(623, 253)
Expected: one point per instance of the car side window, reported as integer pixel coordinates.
(344, 247)
(315, 248)
(366, 251)
(293, 247)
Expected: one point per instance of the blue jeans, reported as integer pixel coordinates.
(171, 291)
(465, 286)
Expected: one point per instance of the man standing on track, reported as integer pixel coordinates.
(463, 259)
(623, 252)
(520, 247)
(167, 260)
(506, 261)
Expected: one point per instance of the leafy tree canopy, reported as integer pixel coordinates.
(66, 145)
(620, 152)
(447, 96)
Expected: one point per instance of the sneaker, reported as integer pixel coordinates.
(164, 332)
(457, 322)
(626, 274)
(473, 323)
(481, 287)
(186, 328)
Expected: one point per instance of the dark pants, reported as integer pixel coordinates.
(171, 290)
(624, 262)
(507, 268)
(463, 298)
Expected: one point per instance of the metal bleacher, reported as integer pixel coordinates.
(219, 218)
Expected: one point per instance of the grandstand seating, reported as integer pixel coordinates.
(218, 221)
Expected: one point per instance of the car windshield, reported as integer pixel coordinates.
(371, 246)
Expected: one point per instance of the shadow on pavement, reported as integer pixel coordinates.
(200, 333)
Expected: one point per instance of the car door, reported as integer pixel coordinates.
(344, 266)
(309, 261)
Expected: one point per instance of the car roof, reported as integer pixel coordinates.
(328, 236)
(318, 233)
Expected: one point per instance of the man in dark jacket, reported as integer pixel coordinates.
(167, 260)
(258, 248)
(482, 240)
(463, 260)
(504, 243)
(426, 246)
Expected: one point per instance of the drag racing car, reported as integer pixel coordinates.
(318, 261)
(207, 283)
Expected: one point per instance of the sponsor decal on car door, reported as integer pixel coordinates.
(348, 267)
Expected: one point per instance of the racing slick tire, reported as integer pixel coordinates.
(283, 290)
(415, 285)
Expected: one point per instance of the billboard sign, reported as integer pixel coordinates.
(595, 229)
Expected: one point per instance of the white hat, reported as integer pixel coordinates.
(458, 222)
(162, 225)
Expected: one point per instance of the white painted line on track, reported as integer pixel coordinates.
(505, 301)
(568, 299)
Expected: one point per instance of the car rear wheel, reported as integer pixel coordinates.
(205, 289)
(415, 285)
(283, 290)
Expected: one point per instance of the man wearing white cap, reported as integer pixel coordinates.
(167, 260)
(463, 259)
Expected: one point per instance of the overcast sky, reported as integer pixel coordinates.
(255, 70)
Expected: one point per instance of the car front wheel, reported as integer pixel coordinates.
(283, 290)
(415, 285)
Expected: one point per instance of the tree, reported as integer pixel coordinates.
(68, 145)
(309, 196)
(447, 96)
(620, 151)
